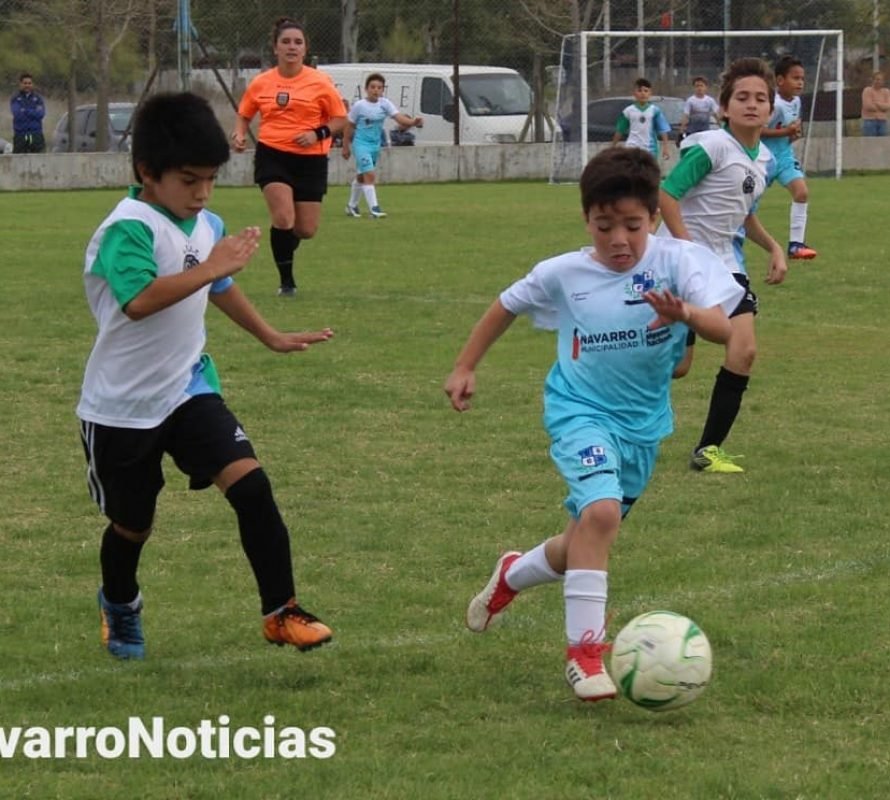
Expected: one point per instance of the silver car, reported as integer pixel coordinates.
(119, 117)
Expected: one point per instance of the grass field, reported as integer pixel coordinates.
(398, 508)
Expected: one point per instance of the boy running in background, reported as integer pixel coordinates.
(782, 130)
(151, 268)
(643, 123)
(710, 197)
(363, 137)
(699, 110)
(616, 308)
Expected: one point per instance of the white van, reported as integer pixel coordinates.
(495, 101)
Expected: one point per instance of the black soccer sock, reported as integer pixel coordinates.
(284, 243)
(120, 559)
(726, 400)
(264, 538)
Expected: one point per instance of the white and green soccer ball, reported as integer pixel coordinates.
(661, 660)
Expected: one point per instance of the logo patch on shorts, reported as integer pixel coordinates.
(593, 456)
(240, 435)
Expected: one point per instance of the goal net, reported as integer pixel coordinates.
(598, 68)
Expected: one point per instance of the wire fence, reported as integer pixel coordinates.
(100, 51)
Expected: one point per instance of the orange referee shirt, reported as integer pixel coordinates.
(288, 106)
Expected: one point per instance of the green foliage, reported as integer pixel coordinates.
(399, 507)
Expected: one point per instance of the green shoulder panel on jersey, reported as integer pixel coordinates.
(125, 259)
(694, 164)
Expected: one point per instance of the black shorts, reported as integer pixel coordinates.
(124, 464)
(307, 176)
(748, 303)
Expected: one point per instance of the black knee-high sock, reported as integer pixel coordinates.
(264, 538)
(284, 243)
(726, 400)
(120, 559)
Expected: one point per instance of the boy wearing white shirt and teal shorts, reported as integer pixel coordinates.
(621, 310)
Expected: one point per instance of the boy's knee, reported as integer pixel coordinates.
(137, 537)
(302, 231)
(601, 518)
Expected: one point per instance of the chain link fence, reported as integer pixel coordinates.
(117, 51)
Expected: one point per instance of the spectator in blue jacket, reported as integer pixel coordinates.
(28, 112)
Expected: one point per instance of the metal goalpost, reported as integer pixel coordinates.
(606, 37)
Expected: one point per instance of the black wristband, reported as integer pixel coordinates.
(323, 132)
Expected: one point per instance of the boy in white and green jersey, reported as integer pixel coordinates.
(148, 389)
(643, 124)
(709, 197)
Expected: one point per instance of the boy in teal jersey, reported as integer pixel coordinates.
(148, 389)
(780, 133)
(643, 123)
(364, 137)
(617, 308)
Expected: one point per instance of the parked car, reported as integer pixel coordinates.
(602, 115)
(119, 116)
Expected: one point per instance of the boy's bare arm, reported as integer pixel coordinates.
(671, 215)
(461, 383)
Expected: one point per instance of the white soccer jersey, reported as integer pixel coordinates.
(368, 119)
(700, 112)
(784, 113)
(610, 366)
(139, 370)
(718, 183)
(643, 126)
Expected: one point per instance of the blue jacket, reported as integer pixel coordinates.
(28, 112)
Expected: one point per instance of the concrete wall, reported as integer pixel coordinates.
(398, 165)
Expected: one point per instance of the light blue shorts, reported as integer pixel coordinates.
(598, 465)
(787, 170)
(365, 157)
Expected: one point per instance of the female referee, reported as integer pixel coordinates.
(300, 110)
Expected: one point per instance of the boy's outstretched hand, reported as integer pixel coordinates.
(295, 342)
(231, 253)
(460, 386)
(670, 309)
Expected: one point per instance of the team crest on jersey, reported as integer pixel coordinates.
(593, 456)
(748, 184)
(191, 258)
(641, 282)
(282, 98)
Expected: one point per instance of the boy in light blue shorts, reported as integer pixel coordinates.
(621, 309)
(363, 138)
(782, 130)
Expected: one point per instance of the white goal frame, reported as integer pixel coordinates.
(607, 36)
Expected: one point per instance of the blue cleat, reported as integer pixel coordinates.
(122, 628)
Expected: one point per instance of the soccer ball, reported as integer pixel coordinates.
(661, 660)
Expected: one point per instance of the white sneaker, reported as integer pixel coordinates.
(352, 211)
(586, 672)
(377, 212)
(494, 598)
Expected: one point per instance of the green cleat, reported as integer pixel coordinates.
(714, 459)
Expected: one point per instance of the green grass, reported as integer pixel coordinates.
(398, 508)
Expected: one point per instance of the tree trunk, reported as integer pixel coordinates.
(349, 31)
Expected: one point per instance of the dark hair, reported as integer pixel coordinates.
(375, 76)
(746, 68)
(785, 63)
(25, 75)
(640, 83)
(282, 24)
(173, 130)
(619, 173)
(701, 78)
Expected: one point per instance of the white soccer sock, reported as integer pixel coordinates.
(585, 592)
(531, 569)
(370, 194)
(799, 222)
(355, 193)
